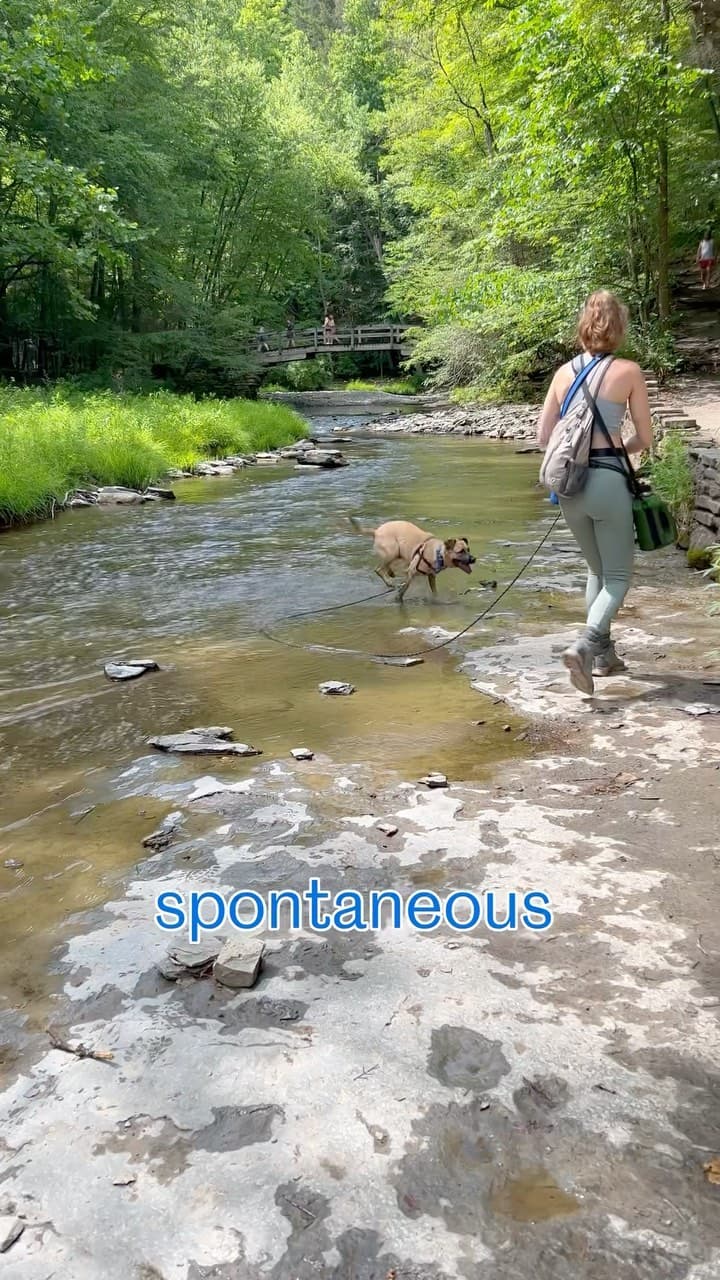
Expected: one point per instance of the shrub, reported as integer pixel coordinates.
(672, 478)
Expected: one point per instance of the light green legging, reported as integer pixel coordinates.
(600, 520)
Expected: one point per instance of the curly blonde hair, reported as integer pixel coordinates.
(603, 323)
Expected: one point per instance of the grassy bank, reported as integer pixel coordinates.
(51, 443)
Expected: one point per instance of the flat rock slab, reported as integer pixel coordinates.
(130, 668)
(238, 963)
(321, 458)
(118, 495)
(167, 495)
(302, 753)
(161, 837)
(387, 828)
(189, 958)
(434, 780)
(11, 1228)
(336, 688)
(203, 742)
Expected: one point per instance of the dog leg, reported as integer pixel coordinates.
(381, 570)
(433, 583)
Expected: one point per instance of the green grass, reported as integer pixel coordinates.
(672, 478)
(394, 386)
(51, 443)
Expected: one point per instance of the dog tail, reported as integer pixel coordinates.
(359, 528)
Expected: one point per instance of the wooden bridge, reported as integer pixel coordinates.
(305, 344)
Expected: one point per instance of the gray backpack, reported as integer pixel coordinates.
(565, 465)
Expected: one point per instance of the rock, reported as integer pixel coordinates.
(267, 459)
(11, 1228)
(336, 688)
(387, 828)
(236, 461)
(125, 1181)
(189, 958)
(175, 474)
(203, 742)
(321, 458)
(169, 827)
(302, 753)
(239, 962)
(130, 668)
(117, 495)
(80, 502)
(433, 780)
(166, 494)
(701, 709)
(213, 469)
(13, 864)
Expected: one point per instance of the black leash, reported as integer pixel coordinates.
(396, 658)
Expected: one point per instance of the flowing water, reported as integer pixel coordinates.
(190, 584)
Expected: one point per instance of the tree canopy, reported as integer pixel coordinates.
(172, 178)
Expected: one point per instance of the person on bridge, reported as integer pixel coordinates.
(705, 258)
(600, 517)
(290, 333)
(262, 342)
(329, 329)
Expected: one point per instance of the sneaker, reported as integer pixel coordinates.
(579, 661)
(608, 663)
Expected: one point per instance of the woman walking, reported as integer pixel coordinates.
(600, 516)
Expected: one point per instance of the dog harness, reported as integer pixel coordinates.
(422, 559)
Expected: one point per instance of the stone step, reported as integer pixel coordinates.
(675, 423)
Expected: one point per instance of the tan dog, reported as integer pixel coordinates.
(397, 542)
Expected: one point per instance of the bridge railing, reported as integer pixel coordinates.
(351, 338)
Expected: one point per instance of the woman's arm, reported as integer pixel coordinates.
(549, 415)
(639, 406)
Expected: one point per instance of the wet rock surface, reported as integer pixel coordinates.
(432, 1106)
(129, 668)
(212, 741)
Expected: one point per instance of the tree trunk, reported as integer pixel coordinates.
(663, 225)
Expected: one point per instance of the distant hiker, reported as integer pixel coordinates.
(600, 516)
(262, 342)
(329, 329)
(290, 334)
(705, 257)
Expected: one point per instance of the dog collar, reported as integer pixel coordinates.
(433, 568)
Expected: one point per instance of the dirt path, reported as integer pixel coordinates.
(415, 1105)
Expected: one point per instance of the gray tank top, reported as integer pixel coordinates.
(612, 411)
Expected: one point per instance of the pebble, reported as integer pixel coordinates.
(203, 742)
(11, 1228)
(387, 828)
(433, 780)
(239, 962)
(302, 753)
(13, 864)
(338, 688)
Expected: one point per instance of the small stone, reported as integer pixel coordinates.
(433, 780)
(321, 458)
(170, 969)
(166, 494)
(13, 864)
(239, 962)
(507, 728)
(11, 1228)
(161, 838)
(337, 688)
(129, 668)
(77, 502)
(387, 828)
(701, 709)
(302, 753)
(126, 1181)
(201, 742)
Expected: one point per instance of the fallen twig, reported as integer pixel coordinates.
(312, 1217)
(366, 1072)
(78, 1051)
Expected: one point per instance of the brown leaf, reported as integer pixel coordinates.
(712, 1171)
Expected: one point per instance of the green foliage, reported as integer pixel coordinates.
(672, 478)
(530, 144)
(50, 444)
(700, 558)
(304, 375)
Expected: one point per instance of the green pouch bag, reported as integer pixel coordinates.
(654, 524)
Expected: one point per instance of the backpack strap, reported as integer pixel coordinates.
(584, 373)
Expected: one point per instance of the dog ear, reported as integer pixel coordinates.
(449, 544)
(466, 541)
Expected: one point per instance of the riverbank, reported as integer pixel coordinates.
(421, 1105)
(52, 444)
(492, 422)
